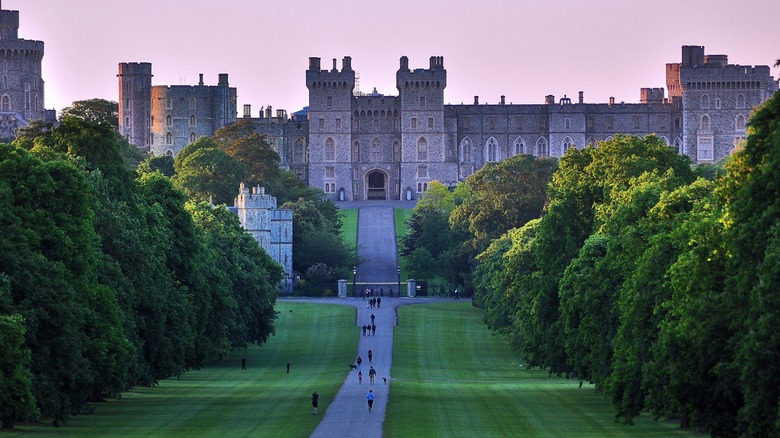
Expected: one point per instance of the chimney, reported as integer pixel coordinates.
(476, 100)
(200, 82)
(268, 112)
(404, 63)
(611, 100)
(247, 110)
(549, 99)
(314, 63)
(334, 65)
(582, 98)
(223, 80)
(346, 64)
(503, 100)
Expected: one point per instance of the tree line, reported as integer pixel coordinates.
(654, 280)
(119, 270)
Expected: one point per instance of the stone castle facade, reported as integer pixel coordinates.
(270, 226)
(21, 84)
(163, 119)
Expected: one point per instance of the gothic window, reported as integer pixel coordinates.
(567, 123)
(6, 103)
(127, 122)
(666, 140)
(396, 151)
(705, 123)
(192, 120)
(422, 149)
(193, 103)
(591, 142)
(422, 171)
(168, 138)
(422, 102)
(376, 151)
(705, 102)
(396, 124)
(717, 103)
(298, 151)
(678, 145)
(169, 153)
(168, 120)
(376, 124)
(740, 123)
(541, 147)
(193, 137)
(466, 146)
(330, 150)
(491, 150)
(704, 148)
(740, 101)
(355, 125)
(566, 144)
(519, 146)
(356, 152)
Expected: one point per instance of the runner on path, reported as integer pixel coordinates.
(370, 398)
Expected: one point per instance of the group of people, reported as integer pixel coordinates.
(370, 328)
(374, 302)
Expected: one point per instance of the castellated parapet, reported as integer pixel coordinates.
(271, 227)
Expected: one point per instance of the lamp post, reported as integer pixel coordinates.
(398, 271)
(354, 274)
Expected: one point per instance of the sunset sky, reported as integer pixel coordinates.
(518, 48)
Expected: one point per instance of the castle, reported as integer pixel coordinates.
(358, 146)
(21, 84)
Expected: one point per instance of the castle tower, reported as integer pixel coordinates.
(21, 84)
(426, 152)
(135, 97)
(330, 126)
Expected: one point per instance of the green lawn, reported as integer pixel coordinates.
(223, 401)
(401, 215)
(451, 377)
(349, 220)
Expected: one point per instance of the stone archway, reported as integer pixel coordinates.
(376, 184)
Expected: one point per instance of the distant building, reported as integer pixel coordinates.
(289, 137)
(164, 118)
(21, 84)
(270, 226)
(392, 147)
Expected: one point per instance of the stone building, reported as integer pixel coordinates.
(164, 118)
(270, 226)
(286, 136)
(21, 84)
(390, 147)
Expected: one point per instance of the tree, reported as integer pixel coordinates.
(17, 402)
(95, 111)
(240, 141)
(205, 173)
(163, 163)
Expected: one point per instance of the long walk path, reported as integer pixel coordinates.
(348, 415)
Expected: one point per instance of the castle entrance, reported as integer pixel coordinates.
(377, 185)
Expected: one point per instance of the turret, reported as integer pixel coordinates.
(135, 95)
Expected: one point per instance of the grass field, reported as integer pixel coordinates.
(452, 378)
(349, 219)
(223, 401)
(401, 215)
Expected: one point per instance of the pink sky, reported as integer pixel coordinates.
(518, 48)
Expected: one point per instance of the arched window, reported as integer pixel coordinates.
(396, 151)
(591, 142)
(666, 140)
(192, 120)
(541, 147)
(298, 151)
(6, 103)
(566, 144)
(169, 153)
(717, 103)
(705, 102)
(376, 151)
(193, 137)
(127, 122)
(740, 101)
(376, 124)
(705, 123)
(491, 150)
(466, 146)
(740, 123)
(355, 124)
(330, 150)
(168, 120)
(5, 82)
(169, 138)
(678, 145)
(422, 149)
(519, 146)
(356, 152)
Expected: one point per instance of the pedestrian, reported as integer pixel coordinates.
(370, 356)
(456, 294)
(379, 302)
(243, 363)
(359, 361)
(373, 329)
(360, 377)
(370, 398)
(364, 329)
(288, 366)
(314, 399)
(372, 318)
(371, 375)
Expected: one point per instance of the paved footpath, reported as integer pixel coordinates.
(347, 414)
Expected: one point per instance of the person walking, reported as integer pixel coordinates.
(360, 377)
(364, 329)
(371, 375)
(243, 363)
(370, 398)
(372, 318)
(288, 366)
(373, 329)
(370, 356)
(359, 361)
(314, 401)
(379, 302)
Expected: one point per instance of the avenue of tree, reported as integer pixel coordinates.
(625, 267)
(118, 269)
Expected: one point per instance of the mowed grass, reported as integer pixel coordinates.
(451, 377)
(221, 400)
(349, 224)
(401, 215)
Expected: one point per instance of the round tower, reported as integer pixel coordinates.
(135, 100)
(21, 85)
